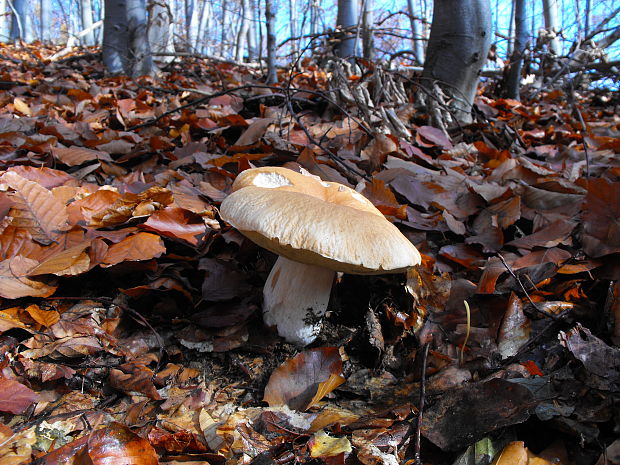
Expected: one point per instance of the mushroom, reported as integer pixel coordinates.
(317, 228)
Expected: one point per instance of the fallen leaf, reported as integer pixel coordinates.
(118, 445)
(36, 209)
(323, 445)
(296, 382)
(140, 246)
(15, 398)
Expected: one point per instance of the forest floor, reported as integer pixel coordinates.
(130, 323)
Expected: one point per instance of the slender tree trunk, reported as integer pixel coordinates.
(115, 37)
(368, 37)
(252, 47)
(587, 13)
(224, 29)
(87, 22)
(19, 20)
(141, 59)
(270, 17)
(457, 49)
(513, 79)
(550, 11)
(243, 30)
(510, 29)
(293, 29)
(161, 29)
(46, 20)
(314, 16)
(347, 19)
(194, 25)
(205, 26)
(4, 24)
(416, 30)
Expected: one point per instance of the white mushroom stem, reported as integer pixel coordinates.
(295, 299)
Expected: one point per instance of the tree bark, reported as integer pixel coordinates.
(46, 20)
(252, 47)
(243, 30)
(368, 37)
(194, 25)
(457, 49)
(161, 29)
(141, 59)
(270, 17)
(19, 21)
(416, 31)
(347, 19)
(4, 25)
(205, 26)
(550, 12)
(513, 78)
(87, 22)
(293, 29)
(115, 37)
(126, 47)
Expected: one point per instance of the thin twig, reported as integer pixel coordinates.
(418, 431)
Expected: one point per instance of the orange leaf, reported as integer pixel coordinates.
(69, 262)
(303, 380)
(117, 444)
(43, 317)
(177, 223)
(36, 209)
(141, 246)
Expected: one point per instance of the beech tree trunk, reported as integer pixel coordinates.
(457, 49)
(513, 78)
(416, 30)
(205, 26)
(194, 25)
(368, 35)
(252, 47)
(126, 47)
(115, 37)
(46, 20)
(4, 24)
(19, 21)
(270, 17)
(244, 26)
(550, 12)
(86, 7)
(161, 29)
(347, 19)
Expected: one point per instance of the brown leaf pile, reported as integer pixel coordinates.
(126, 302)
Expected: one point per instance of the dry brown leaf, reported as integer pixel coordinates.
(45, 318)
(74, 156)
(36, 209)
(15, 397)
(117, 444)
(177, 223)
(14, 282)
(141, 246)
(297, 382)
(69, 262)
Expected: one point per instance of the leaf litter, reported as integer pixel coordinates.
(130, 319)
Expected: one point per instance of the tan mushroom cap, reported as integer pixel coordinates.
(319, 223)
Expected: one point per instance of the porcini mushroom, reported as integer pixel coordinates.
(317, 228)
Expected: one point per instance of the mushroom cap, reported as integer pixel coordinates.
(319, 223)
